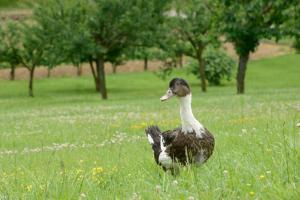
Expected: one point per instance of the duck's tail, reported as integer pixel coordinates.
(154, 137)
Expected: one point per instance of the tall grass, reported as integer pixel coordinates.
(66, 143)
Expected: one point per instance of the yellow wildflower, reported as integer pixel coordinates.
(95, 172)
(261, 177)
(251, 193)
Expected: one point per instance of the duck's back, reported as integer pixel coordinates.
(187, 148)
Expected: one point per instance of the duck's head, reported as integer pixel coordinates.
(177, 87)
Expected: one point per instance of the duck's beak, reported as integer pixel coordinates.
(167, 96)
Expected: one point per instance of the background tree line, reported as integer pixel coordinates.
(101, 31)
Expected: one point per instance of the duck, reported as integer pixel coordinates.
(191, 143)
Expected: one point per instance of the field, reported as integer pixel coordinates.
(66, 143)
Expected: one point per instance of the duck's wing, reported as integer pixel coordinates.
(170, 135)
(185, 148)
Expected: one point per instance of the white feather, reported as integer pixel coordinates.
(188, 122)
(150, 139)
(164, 159)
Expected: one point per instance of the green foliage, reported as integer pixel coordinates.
(8, 3)
(117, 25)
(69, 38)
(296, 44)
(196, 24)
(34, 44)
(247, 22)
(218, 66)
(293, 26)
(140, 53)
(10, 44)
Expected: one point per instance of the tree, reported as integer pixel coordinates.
(10, 53)
(39, 39)
(293, 26)
(246, 23)
(69, 38)
(116, 25)
(195, 24)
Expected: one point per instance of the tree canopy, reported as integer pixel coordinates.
(195, 23)
(245, 23)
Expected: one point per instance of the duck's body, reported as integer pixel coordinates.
(191, 143)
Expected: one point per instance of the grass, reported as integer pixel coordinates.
(66, 143)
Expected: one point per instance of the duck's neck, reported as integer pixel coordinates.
(188, 122)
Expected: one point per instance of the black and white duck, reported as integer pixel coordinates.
(191, 143)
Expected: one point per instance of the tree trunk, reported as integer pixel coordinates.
(101, 77)
(145, 63)
(114, 67)
(241, 74)
(97, 85)
(31, 70)
(180, 60)
(201, 70)
(48, 72)
(12, 72)
(79, 70)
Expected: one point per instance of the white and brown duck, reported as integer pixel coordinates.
(191, 143)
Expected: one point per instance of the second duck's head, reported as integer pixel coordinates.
(177, 87)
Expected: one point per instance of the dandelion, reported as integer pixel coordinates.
(96, 172)
(251, 193)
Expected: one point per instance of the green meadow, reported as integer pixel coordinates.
(67, 143)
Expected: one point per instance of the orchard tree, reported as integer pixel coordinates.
(246, 23)
(10, 53)
(32, 50)
(116, 25)
(195, 23)
(293, 25)
(77, 43)
(39, 41)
